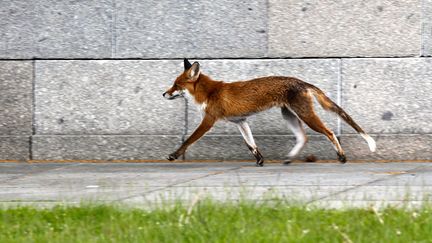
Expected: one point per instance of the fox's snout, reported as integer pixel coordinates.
(170, 95)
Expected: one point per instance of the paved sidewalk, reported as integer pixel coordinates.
(142, 184)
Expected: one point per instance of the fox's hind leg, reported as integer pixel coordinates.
(250, 142)
(295, 125)
(306, 113)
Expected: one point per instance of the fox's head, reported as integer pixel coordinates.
(184, 81)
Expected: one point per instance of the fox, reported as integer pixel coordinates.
(236, 101)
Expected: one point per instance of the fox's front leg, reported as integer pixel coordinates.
(205, 125)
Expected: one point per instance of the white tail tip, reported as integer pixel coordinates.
(371, 142)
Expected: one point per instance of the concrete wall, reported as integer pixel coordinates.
(83, 79)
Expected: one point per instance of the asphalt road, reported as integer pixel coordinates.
(146, 184)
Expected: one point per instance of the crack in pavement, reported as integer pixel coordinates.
(31, 173)
(178, 183)
(384, 178)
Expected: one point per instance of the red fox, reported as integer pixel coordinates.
(236, 101)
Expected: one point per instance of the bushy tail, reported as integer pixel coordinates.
(329, 105)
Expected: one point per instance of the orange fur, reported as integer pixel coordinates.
(243, 98)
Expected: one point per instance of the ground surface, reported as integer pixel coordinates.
(328, 184)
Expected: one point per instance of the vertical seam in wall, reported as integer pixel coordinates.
(186, 124)
(339, 96)
(114, 30)
(267, 28)
(422, 27)
(33, 109)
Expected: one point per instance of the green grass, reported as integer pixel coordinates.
(208, 221)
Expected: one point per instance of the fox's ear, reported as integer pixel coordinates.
(194, 71)
(187, 64)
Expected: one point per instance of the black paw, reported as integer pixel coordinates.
(260, 162)
(258, 157)
(172, 157)
(286, 162)
(342, 158)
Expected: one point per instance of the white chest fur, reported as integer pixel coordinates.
(200, 107)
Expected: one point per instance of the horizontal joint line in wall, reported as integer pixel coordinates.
(390, 134)
(106, 135)
(234, 134)
(206, 58)
(207, 135)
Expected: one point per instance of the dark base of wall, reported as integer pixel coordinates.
(153, 147)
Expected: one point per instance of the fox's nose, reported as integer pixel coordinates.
(167, 96)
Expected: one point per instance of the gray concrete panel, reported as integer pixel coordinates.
(344, 29)
(55, 29)
(388, 95)
(107, 97)
(14, 148)
(427, 28)
(16, 97)
(103, 147)
(389, 147)
(427, 39)
(177, 29)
